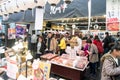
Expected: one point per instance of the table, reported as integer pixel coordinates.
(66, 72)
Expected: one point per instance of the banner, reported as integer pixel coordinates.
(112, 15)
(39, 19)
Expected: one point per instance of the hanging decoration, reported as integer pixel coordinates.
(53, 2)
(14, 6)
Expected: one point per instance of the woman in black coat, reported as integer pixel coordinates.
(41, 46)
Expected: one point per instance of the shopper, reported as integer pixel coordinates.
(33, 42)
(51, 43)
(40, 47)
(107, 42)
(111, 64)
(79, 40)
(93, 56)
(98, 43)
(62, 45)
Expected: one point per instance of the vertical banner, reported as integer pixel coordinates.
(89, 14)
(39, 18)
(112, 15)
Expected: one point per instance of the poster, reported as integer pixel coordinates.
(12, 70)
(42, 72)
(20, 31)
(11, 33)
(112, 15)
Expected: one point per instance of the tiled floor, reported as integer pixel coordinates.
(87, 76)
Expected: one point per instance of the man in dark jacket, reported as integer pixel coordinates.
(108, 42)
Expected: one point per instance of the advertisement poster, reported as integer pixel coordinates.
(11, 33)
(20, 30)
(42, 72)
(112, 15)
(12, 70)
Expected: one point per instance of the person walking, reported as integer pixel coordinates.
(111, 64)
(93, 57)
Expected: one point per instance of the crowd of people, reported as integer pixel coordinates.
(105, 52)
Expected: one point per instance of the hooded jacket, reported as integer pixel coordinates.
(110, 69)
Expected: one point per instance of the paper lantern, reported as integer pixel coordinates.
(22, 4)
(40, 3)
(9, 7)
(30, 4)
(14, 6)
(53, 2)
(3, 9)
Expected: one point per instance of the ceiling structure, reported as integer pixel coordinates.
(76, 12)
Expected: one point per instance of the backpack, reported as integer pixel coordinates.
(99, 46)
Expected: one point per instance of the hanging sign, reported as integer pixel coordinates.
(39, 18)
(112, 15)
(41, 70)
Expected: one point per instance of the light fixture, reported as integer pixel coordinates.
(73, 26)
(53, 2)
(68, 1)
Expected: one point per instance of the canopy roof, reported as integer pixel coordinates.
(78, 8)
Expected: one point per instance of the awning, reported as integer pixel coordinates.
(78, 8)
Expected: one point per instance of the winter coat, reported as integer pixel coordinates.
(93, 58)
(53, 44)
(110, 69)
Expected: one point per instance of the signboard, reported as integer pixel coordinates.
(112, 15)
(42, 72)
(12, 70)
